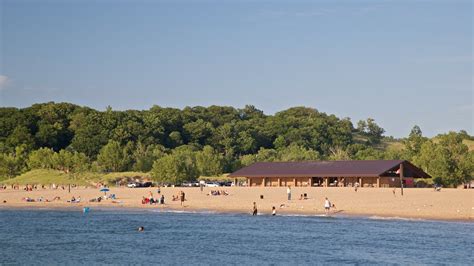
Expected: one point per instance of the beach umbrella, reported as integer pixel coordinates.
(104, 190)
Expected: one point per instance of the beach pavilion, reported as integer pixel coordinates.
(368, 173)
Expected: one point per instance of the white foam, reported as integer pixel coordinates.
(395, 218)
(180, 211)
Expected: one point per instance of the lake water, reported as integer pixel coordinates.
(45, 237)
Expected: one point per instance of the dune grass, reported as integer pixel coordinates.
(469, 143)
(46, 176)
(43, 176)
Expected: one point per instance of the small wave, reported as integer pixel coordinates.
(307, 215)
(180, 211)
(394, 218)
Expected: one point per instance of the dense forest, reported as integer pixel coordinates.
(176, 145)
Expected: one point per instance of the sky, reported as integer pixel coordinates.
(403, 63)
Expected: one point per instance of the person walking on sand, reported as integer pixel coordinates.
(254, 209)
(327, 206)
(288, 193)
(274, 212)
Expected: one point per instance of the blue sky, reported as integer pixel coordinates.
(399, 62)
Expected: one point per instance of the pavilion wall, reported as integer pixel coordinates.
(279, 181)
(342, 181)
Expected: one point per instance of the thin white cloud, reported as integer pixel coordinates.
(3, 81)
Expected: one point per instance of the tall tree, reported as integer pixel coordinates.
(209, 162)
(111, 157)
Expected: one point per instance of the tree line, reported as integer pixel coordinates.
(181, 144)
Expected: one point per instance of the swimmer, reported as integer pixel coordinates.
(141, 229)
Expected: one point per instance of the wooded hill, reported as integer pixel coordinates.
(181, 144)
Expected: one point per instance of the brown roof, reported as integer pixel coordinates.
(329, 168)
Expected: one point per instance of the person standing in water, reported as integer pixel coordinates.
(254, 209)
(327, 206)
(288, 193)
(274, 212)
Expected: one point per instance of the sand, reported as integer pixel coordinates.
(448, 204)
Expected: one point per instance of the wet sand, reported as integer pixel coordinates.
(448, 204)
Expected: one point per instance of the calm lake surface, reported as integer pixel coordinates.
(45, 237)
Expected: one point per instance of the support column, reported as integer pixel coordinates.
(294, 182)
(310, 182)
(401, 178)
(338, 182)
(378, 181)
(360, 182)
(249, 182)
(326, 181)
(263, 182)
(279, 182)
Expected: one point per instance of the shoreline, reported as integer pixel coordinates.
(452, 205)
(168, 209)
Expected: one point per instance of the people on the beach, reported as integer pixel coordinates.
(218, 193)
(182, 197)
(327, 206)
(254, 212)
(274, 211)
(303, 196)
(356, 186)
(141, 229)
(288, 192)
(162, 199)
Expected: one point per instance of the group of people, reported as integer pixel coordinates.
(40, 199)
(327, 204)
(218, 193)
(151, 200)
(75, 200)
(255, 210)
(181, 197)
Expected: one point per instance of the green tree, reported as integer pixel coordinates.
(21, 136)
(41, 159)
(412, 145)
(337, 153)
(435, 160)
(146, 155)
(297, 153)
(175, 139)
(279, 143)
(111, 157)
(209, 162)
(14, 163)
(198, 131)
(175, 168)
(90, 134)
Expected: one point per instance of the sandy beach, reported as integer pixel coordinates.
(448, 204)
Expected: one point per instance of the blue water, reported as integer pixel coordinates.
(45, 237)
